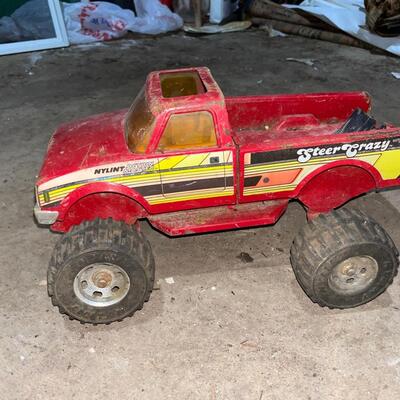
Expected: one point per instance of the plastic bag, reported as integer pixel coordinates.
(96, 21)
(154, 18)
(99, 20)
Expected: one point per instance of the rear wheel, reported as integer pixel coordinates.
(344, 259)
(101, 271)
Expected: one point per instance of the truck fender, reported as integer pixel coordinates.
(100, 200)
(333, 187)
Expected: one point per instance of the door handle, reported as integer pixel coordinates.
(214, 160)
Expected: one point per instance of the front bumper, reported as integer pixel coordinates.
(44, 217)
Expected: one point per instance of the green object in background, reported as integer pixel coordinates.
(7, 7)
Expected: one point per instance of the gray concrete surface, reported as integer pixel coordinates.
(224, 329)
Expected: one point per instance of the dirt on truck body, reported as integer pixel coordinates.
(192, 161)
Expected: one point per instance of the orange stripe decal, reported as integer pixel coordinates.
(279, 177)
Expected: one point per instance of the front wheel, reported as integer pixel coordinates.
(100, 272)
(344, 259)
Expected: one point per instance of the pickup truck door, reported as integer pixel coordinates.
(193, 166)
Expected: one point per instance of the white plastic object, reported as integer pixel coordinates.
(221, 9)
(100, 20)
(154, 18)
(96, 21)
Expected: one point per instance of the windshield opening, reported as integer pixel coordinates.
(139, 124)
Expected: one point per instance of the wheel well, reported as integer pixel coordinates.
(334, 187)
(100, 205)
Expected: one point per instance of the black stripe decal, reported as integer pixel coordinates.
(272, 156)
(251, 180)
(150, 190)
(184, 186)
(292, 154)
(53, 204)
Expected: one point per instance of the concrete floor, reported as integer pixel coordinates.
(225, 329)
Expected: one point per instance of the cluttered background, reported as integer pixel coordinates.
(50, 23)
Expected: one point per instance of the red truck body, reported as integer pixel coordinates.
(268, 150)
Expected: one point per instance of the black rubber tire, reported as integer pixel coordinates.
(94, 242)
(332, 238)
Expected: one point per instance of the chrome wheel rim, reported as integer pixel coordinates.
(101, 285)
(353, 275)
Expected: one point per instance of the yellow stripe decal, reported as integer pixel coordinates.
(192, 161)
(170, 162)
(388, 164)
(196, 196)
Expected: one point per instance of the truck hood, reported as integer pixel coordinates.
(85, 143)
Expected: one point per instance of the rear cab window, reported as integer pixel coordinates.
(179, 84)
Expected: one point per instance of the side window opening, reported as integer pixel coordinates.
(139, 124)
(188, 131)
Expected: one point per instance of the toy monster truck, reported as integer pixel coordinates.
(191, 161)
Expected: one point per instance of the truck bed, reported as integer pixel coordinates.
(262, 119)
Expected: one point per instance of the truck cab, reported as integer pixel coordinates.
(181, 118)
